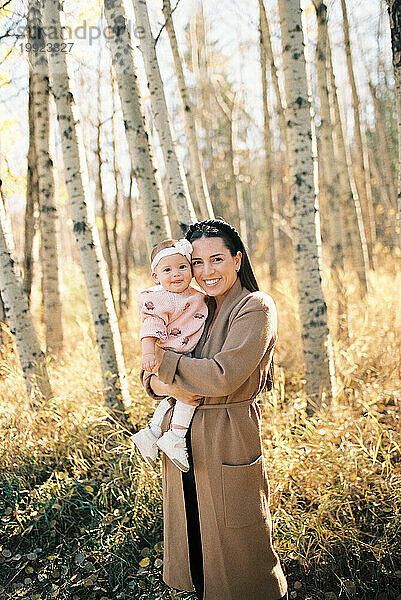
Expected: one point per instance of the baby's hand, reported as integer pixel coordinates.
(149, 363)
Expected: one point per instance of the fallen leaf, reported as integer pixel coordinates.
(144, 562)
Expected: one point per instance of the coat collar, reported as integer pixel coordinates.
(231, 299)
(233, 296)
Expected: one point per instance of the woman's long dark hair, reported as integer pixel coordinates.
(233, 242)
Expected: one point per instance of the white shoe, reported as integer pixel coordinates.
(175, 448)
(145, 442)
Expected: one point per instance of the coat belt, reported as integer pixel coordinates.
(227, 404)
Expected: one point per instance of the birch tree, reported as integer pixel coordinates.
(32, 195)
(330, 168)
(86, 234)
(394, 10)
(19, 318)
(119, 191)
(239, 196)
(269, 57)
(103, 211)
(355, 229)
(177, 184)
(200, 55)
(197, 170)
(272, 234)
(150, 192)
(48, 214)
(384, 155)
(360, 161)
(126, 249)
(307, 251)
(99, 184)
(231, 206)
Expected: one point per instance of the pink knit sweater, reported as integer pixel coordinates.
(176, 319)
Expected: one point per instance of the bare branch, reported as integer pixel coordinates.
(5, 4)
(164, 24)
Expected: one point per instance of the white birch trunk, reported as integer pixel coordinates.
(356, 228)
(32, 196)
(126, 249)
(197, 171)
(229, 206)
(151, 194)
(175, 174)
(86, 234)
(48, 213)
(103, 212)
(119, 193)
(99, 185)
(369, 197)
(272, 233)
(330, 168)
(382, 190)
(360, 176)
(267, 44)
(307, 245)
(243, 222)
(18, 315)
(384, 155)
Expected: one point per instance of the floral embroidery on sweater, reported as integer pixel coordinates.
(175, 319)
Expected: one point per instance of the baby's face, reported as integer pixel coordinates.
(174, 273)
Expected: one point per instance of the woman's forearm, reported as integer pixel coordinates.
(158, 387)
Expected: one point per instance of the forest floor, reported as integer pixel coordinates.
(81, 515)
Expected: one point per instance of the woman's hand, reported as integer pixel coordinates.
(164, 389)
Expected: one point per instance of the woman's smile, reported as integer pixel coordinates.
(211, 282)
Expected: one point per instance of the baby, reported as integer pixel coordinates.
(173, 316)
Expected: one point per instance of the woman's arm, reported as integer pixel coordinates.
(159, 390)
(251, 333)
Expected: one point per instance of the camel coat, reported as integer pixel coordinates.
(229, 368)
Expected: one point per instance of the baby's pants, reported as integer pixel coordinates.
(182, 413)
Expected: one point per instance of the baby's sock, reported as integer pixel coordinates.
(182, 415)
(158, 415)
(180, 432)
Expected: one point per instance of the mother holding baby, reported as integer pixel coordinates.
(217, 523)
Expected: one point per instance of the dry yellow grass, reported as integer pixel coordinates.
(71, 488)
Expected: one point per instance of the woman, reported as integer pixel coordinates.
(217, 523)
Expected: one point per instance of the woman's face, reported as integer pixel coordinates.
(214, 269)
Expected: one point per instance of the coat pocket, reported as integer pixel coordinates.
(242, 490)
